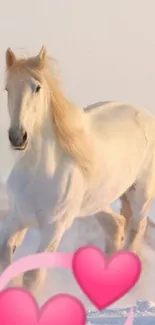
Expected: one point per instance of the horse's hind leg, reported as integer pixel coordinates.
(126, 210)
(15, 241)
(140, 199)
(113, 224)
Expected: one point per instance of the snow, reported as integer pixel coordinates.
(144, 314)
(61, 280)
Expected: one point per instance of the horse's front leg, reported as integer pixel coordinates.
(9, 226)
(50, 238)
(53, 231)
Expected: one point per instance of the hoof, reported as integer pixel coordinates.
(32, 280)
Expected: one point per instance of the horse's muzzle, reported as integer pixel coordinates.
(18, 139)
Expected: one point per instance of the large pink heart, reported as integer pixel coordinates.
(18, 307)
(105, 280)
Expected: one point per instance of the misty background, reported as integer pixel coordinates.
(105, 50)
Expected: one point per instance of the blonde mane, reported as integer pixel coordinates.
(69, 121)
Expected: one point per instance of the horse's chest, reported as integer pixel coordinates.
(38, 196)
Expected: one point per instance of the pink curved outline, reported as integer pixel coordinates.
(31, 262)
(43, 260)
(129, 320)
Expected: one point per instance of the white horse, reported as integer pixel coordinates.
(73, 163)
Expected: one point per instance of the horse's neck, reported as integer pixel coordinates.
(45, 152)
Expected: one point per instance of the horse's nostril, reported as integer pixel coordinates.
(11, 137)
(18, 138)
(24, 137)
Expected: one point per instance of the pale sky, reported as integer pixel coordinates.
(105, 50)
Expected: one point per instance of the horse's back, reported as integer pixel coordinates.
(96, 105)
(116, 109)
(124, 137)
(112, 116)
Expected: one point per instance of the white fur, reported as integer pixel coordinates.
(48, 190)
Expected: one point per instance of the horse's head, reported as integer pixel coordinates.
(34, 98)
(28, 98)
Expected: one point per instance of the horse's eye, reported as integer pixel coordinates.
(37, 89)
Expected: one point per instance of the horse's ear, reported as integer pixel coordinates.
(43, 53)
(10, 58)
(39, 60)
(41, 57)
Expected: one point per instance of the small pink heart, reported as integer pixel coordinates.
(17, 306)
(104, 280)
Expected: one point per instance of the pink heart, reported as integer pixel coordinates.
(105, 280)
(17, 306)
